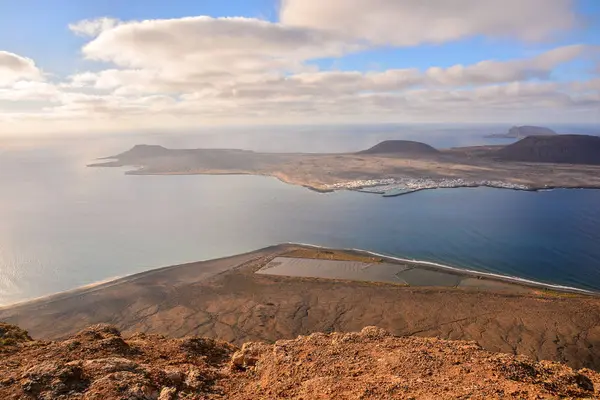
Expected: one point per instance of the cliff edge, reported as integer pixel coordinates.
(98, 363)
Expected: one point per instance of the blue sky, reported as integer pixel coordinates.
(45, 36)
(39, 31)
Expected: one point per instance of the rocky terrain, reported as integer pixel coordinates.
(99, 363)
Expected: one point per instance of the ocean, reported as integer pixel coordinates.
(63, 225)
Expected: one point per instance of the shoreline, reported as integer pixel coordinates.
(328, 189)
(430, 265)
(230, 299)
(463, 271)
(117, 280)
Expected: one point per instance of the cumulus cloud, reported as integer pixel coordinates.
(211, 45)
(182, 72)
(231, 83)
(93, 27)
(412, 22)
(491, 71)
(14, 67)
(29, 91)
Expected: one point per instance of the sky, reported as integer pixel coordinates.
(113, 65)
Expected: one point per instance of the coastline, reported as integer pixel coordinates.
(464, 271)
(430, 265)
(394, 173)
(339, 186)
(110, 282)
(231, 299)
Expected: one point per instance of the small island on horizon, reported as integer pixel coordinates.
(392, 167)
(521, 132)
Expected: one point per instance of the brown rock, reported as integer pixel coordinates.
(174, 376)
(168, 393)
(11, 335)
(370, 364)
(248, 356)
(111, 364)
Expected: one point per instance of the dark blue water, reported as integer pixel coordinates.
(63, 225)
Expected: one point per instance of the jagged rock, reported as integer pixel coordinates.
(174, 376)
(210, 349)
(54, 378)
(111, 364)
(123, 385)
(168, 393)
(247, 356)
(373, 332)
(98, 331)
(193, 379)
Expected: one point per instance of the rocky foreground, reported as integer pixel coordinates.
(98, 363)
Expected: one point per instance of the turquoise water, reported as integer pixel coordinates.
(63, 225)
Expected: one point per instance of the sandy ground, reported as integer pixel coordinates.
(226, 299)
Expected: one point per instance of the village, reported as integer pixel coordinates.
(397, 186)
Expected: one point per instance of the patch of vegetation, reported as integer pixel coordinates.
(339, 255)
(554, 293)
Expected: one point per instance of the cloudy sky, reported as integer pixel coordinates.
(113, 65)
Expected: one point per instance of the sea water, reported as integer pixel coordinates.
(63, 225)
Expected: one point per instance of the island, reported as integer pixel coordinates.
(521, 132)
(392, 167)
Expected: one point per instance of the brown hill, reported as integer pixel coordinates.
(404, 147)
(98, 363)
(143, 151)
(560, 149)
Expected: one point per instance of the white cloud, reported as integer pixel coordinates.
(29, 91)
(412, 22)
(189, 71)
(14, 67)
(93, 27)
(232, 83)
(588, 85)
(194, 45)
(491, 71)
(200, 53)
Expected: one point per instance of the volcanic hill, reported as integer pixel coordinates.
(404, 147)
(559, 149)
